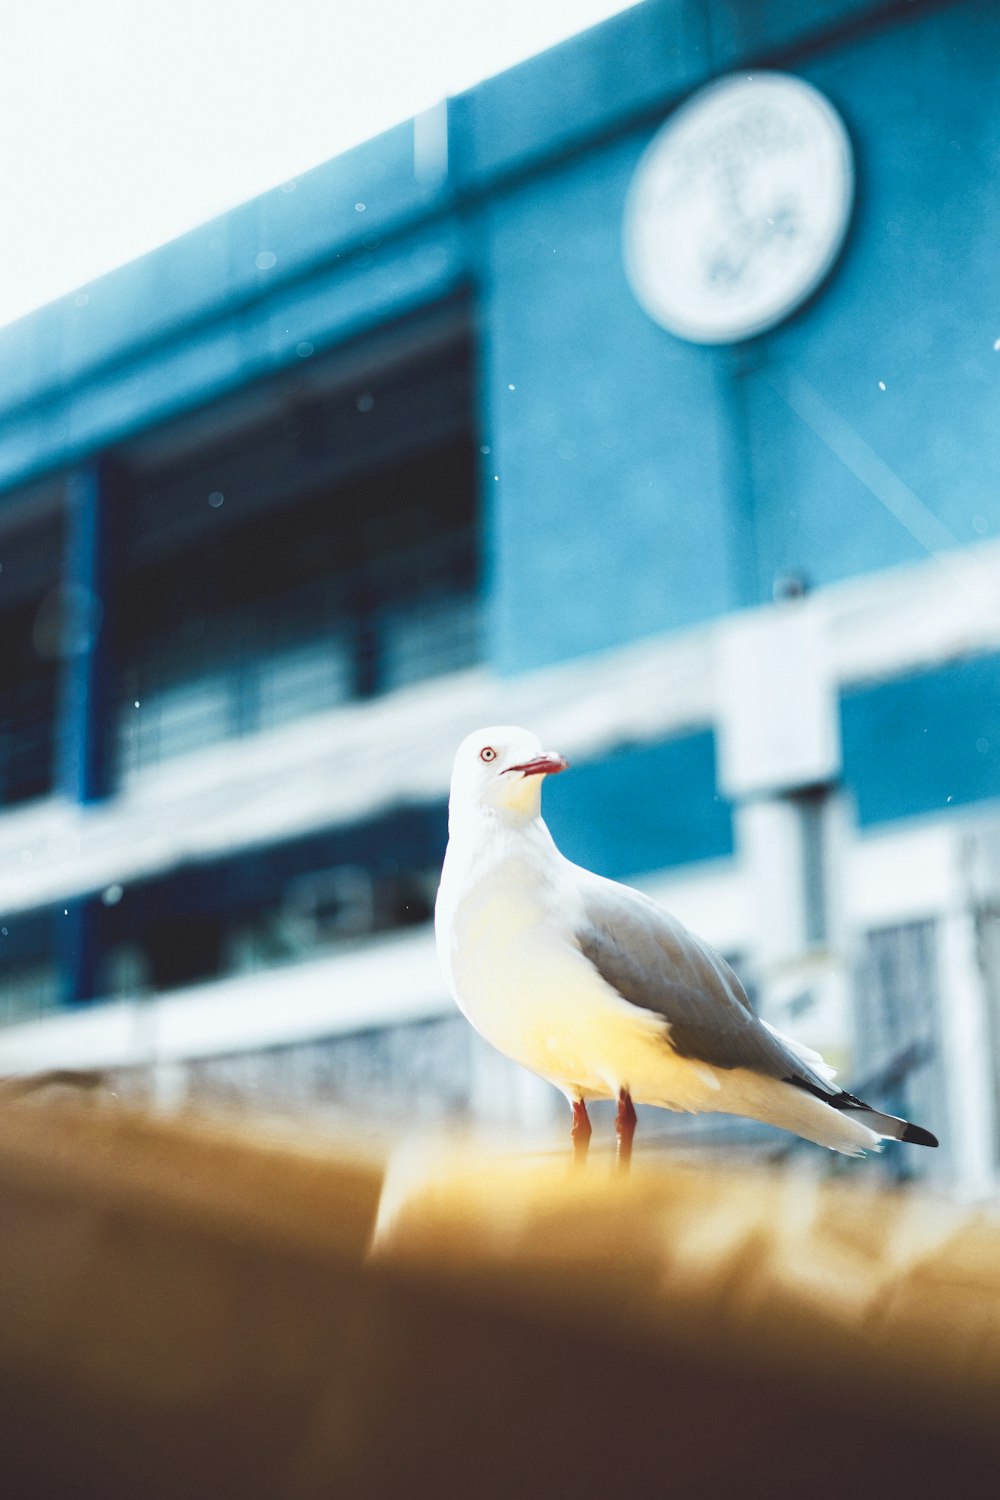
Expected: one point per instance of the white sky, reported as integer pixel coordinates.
(125, 122)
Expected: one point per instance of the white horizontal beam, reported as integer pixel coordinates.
(350, 763)
(393, 980)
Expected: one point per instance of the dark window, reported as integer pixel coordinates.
(899, 1061)
(271, 906)
(325, 554)
(988, 951)
(32, 629)
(29, 974)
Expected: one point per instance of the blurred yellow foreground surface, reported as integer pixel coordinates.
(193, 1309)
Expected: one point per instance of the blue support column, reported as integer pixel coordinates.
(87, 635)
(83, 728)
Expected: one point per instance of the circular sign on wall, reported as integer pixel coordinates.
(738, 207)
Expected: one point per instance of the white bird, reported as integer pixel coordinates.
(599, 990)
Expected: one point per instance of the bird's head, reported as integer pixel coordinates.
(502, 768)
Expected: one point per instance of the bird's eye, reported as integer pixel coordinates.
(487, 753)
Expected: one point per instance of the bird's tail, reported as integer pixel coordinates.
(888, 1127)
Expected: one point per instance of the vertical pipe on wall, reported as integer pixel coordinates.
(747, 585)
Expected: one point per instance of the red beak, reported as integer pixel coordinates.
(542, 765)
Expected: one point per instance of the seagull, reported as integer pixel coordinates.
(599, 990)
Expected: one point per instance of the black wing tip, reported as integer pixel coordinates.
(916, 1135)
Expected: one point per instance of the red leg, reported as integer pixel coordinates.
(625, 1128)
(580, 1134)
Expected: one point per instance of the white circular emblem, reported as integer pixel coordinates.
(738, 207)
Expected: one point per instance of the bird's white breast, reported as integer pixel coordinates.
(505, 934)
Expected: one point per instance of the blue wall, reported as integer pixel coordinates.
(914, 303)
(611, 513)
(646, 808)
(923, 743)
(645, 483)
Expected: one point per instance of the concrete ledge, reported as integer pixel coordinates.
(186, 1310)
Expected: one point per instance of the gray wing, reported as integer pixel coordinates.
(654, 962)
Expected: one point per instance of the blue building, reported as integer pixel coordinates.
(405, 446)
